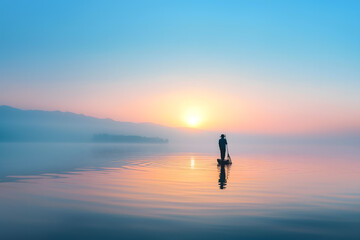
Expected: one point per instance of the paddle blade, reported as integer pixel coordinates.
(229, 158)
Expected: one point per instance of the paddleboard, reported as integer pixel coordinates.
(223, 162)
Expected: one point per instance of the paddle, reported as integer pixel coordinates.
(228, 153)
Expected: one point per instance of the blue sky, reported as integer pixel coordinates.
(283, 50)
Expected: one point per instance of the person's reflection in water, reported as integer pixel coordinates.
(223, 176)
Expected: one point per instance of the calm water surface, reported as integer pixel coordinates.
(85, 191)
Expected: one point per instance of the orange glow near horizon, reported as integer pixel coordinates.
(193, 109)
(213, 108)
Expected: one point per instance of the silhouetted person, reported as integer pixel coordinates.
(222, 146)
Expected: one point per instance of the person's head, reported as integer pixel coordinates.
(222, 136)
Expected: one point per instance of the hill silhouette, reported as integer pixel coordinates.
(37, 125)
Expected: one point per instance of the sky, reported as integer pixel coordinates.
(262, 67)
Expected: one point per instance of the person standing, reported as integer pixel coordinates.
(222, 146)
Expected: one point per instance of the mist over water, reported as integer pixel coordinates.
(137, 191)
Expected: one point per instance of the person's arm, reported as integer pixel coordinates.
(225, 142)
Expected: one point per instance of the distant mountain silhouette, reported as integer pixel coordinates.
(36, 125)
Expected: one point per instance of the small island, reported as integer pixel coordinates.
(108, 138)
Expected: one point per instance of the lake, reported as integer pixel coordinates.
(164, 191)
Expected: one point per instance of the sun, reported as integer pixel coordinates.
(193, 116)
(192, 120)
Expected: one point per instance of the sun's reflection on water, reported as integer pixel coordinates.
(192, 163)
